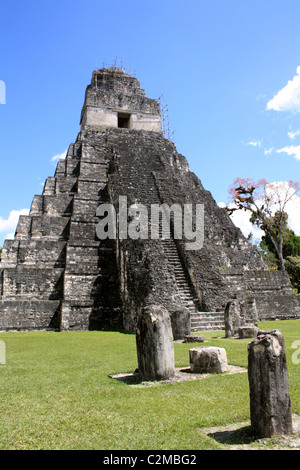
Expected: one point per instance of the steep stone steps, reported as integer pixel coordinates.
(205, 321)
(147, 194)
(182, 283)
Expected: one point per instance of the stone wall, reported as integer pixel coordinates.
(29, 314)
(112, 92)
(272, 291)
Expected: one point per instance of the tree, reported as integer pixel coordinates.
(290, 251)
(266, 202)
(290, 241)
(293, 269)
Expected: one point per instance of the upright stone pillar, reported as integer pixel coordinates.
(154, 341)
(232, 317)
(270, 406)
(249, 310)
(181, 323)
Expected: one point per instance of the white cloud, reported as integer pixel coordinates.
(10, 236)
(254, 143)
(59, 156)
(268, 151)
(293, 134)
(288, 98)
(293, 150)
(261, 96)
(293, 210)
(8, 226)
(242, 220)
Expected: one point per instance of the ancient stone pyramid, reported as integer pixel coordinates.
(58, 274)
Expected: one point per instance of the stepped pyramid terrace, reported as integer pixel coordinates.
(60, 272)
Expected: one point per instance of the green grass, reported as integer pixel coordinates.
(56, 393)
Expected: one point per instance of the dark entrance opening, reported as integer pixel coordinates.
(124, 120)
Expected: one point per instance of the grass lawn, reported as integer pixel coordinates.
(56, 393)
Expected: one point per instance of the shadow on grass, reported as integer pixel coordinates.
(241, 436)
(129, 379)
(182, 374)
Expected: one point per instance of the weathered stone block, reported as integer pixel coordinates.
(154, 342)
(58, 204)
(90, 189)
(75, 317)
(42, 253)
(85, 209)
(270, 406)
(72, 166)
(61, 166)
(66, 184)
(248, 331)
(82, 231)
(48, 226)
(193, 339)
(37, 205)
(249, 309)
(24, 226)
(82, 260)
(80, 286)
(49, 187)
(208, 359)
(93, 171)
(9, 255)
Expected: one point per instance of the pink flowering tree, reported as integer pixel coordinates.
(267, 204)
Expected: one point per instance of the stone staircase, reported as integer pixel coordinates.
(182, 283)
(200, 321)
(148, 192)
(205, 321)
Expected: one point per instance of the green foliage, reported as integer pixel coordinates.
(56, 393)
(292, 264)
(291, 241)
(291, 253)
(269, 257)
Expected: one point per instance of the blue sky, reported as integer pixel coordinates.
(228, 70)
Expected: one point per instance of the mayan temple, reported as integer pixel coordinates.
(57, 273)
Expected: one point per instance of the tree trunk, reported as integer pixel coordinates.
(278, 248)
(280, 254)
